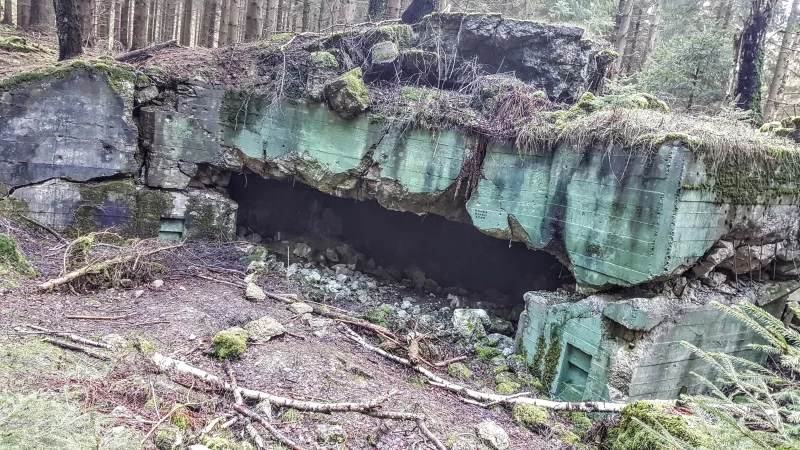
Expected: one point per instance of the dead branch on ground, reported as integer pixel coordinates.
(45, 228)
(481, 398)
(268, 426)
(145, 52)
(124, 316)
(77, 348)
(72, 336)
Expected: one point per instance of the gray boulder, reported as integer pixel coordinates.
(471, 324)
(263, 329)
(493, 435)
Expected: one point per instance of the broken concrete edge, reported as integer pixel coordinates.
(617, 348)
(124, 207)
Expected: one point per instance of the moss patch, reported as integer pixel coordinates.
(486, 353)
(290, 416)
(531, 417)
(356, 86)
(12, 260)
(641, 424)
(20, 45)
(507, 388)
(551, 359)
(121, 77)
(401, 34)
(228, 344)
(379, 315)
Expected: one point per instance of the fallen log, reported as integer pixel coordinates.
(135, 54)
(481, 398)
(165, 364)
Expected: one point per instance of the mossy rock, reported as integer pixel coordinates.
(486, 353)
(531, 416)
(12, 261)
(20, 45)
(415, 94)
(657, 418)
(167, 438)
(459, 371)
(505, 377)
(401, 35)
(324, 61)
(348, 95)
(230, 343)
(384, 52)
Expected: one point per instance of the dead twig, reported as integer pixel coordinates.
(417, 418)
(447, 362)
(45, 228)
(268, 426)
(72, 336)
(77, 348)
(216, 280)
(102, 317)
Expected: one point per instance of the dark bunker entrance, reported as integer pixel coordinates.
(399, 246)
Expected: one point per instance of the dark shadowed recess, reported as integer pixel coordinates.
(451, 253)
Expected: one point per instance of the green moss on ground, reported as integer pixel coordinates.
(486, 353)
(507, 388)
(379, 315)
(531, 417)
(12, 261)
(641, 424)
(230, 343)
(415, 94)
(290, 416)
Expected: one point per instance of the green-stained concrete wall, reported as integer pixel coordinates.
(615, 217)
(604, 347)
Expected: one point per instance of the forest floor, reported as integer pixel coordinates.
(57, 398)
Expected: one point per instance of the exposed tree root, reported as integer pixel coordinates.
(481, 398)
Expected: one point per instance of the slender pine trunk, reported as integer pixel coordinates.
(782, 63)
(623, 26)
(140, 11)
(8, 12)
(43, 15)
(124, 24)
(186, 26)
(233, 22)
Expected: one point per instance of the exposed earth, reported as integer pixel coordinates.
(57, 398)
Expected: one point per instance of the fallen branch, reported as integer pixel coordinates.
(268, 426)
(101, 317)
(165, 364)
(214, 423)
(72, 336)
(483, 397)
(155, 427)
(257, 439)
(99, 267)
(45, 228)
(447, 362)
(217, 280)
(77, 348)
(325, 312)
(146, 51)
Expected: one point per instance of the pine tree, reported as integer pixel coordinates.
(186, 23)
(254, 24)
(8, 12)
(782, 64)
(140, 21)
(23, 13)
(43, 15)
(747, 91)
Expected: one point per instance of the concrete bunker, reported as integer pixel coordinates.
(426, 252)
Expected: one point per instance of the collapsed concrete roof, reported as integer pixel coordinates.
(620, 189)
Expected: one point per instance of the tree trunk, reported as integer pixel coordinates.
(169, 22)
(85, 15)
(653, 32)
(623, 26)
(321, 15)
(782, 63)
(751, 63)
(207, 33)
(68, 29)
(780, 111)
(43, 16)
(393, 9)
(224, 13)
(103, 24)
(140, 11)
(306, 15)
(233, 22)
(253, 24)
(347, 12)
(287, 16)
(8, 12)
(633, 42)
(378, 9)
(152, 13)
(186, 26)
(23, 13)
(279, 13)
(124, 24)
(117, 19)
(270, 24)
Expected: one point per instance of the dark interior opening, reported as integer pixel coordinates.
(454, 255)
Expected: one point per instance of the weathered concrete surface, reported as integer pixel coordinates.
(605, 347)
(75, 127)
(616, 218)
(127, 208)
